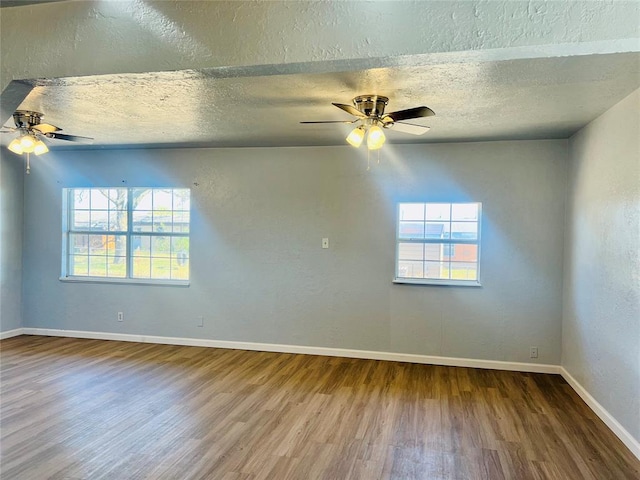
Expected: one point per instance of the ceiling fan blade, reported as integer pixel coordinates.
(349, 109)
(416, 112)
(46, 128)
(71, 138)
(408, 128)
(333, 121)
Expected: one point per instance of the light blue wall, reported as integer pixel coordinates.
(601, 324)
(11, 193)
(259, 273)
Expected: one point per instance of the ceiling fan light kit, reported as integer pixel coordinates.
(40, 148)
(368, 110)
(369, 113)
(356, 137)
(31, 132)
(16, 146)
(375, 138)
(28, 144)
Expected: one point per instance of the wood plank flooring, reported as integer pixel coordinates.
(90, 409)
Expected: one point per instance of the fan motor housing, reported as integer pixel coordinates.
(371, 105)
(26, 118)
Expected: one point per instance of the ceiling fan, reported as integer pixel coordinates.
(31, 131)
(369, 113)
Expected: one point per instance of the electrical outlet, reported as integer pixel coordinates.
(200, 321)
(533, 352)
(120, 316)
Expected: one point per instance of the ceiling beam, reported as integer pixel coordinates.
(85, 38)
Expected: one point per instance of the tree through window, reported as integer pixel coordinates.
(126, 233)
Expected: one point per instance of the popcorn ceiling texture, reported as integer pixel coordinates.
(202, 74)
(90, 37)
(473, 101)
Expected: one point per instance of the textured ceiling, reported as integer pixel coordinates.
(117, 70)
(513, 99)
(23, 3)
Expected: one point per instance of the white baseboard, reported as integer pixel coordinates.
(599, 410)
(305, 350)
(11, 333)
(620, 432)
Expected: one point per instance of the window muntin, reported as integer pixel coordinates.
(136, 234)
(438, 243)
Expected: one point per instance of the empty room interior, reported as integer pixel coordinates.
(250, 240)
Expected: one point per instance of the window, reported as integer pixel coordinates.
(136, 235)
(438, 243)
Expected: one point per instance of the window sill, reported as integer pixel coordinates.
(443, 283)
(127, 281)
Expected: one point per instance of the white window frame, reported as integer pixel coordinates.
(67, 205)
(449, 241)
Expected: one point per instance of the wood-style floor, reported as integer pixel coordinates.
(91, 409)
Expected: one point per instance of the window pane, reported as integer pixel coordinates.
(162, 199)
(78, 244)
(162, 221)
(118, 220)
(438, 211)
(181, 199)
(78, 265)
(142, 199)
(180, 268)
(448, 251)
(141, 246)
(99, 220)
(407, 269)
(180, 247)
(181, 222)
(411, 230)
(80, 219)
(141, 267)
(434, 251)
(461, 252)
(160, 247)
(437, 230)
(464, 230)
(411, 251)
(411, 211)
(142, 220)
(97, 245)
(436, 270)
(180, 258)
(464, 211)
(117, 198)
(81, 198)
(464, 271)
(99, 198)
(117, 267)
(97, 266)
(116, 245)
(160, 268)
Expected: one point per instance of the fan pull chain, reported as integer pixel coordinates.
(368, 159)
(378, 156)
(28, 164)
